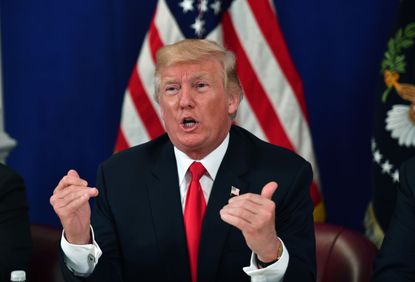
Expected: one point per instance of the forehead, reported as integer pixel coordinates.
(206, 68)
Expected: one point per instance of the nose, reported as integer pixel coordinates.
(186, 97)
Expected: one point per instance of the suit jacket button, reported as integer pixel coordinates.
(91, 258)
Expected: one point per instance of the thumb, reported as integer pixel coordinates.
(73, 173)
(269, 189)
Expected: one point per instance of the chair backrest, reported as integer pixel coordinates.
(44, 263)
(343, 254)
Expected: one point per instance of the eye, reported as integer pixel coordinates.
(171, 89)
(201, 86)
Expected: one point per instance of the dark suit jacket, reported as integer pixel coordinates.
(396, 258)
(138, 218)
(15, 239)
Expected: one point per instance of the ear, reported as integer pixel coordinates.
(233, 103)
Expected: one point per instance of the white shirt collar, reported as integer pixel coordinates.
(211, 162)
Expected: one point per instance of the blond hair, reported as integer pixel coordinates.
(196, 50)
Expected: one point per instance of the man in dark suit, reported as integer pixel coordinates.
(144, 217)
(15, 239)
(395, 261)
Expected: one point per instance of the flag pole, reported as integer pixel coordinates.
(6, 142)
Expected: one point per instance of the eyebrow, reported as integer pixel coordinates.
(169, 80)
(173, 80)
(200, 75)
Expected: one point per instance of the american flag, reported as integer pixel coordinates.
(274, 108)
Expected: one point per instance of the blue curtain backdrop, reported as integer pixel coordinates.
(66, 65)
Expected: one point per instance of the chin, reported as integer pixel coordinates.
(191, 146)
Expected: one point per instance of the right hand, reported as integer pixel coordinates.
(70, 202)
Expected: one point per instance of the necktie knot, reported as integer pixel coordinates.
(197, 170)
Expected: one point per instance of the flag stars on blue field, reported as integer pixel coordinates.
(216, 7)
(204, 12)
(386, 167)
(203, 7)
(395, 176)
(187, 5)
(377, 156)
(373, 145)
(198, 26)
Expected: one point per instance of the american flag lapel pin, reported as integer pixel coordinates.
(234, 191)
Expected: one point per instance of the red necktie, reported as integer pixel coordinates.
(194, 212)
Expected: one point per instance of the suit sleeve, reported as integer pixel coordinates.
(15, 239)
(395, 261)
(295, 226)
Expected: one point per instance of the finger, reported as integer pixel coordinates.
(71, 190)
(71, 180)
(241, 213)
(251, 211)
(72, 207)
(233, 220)
(258, 212)
(59, 203)
(258, 201)
(59, 195)
(251, 206)
(254, 198)
(73, 172)
(269, 190)
(68, 180)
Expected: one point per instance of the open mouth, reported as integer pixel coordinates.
(189, 122)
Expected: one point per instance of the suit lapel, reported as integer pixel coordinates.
(214, 230)
(168, 215)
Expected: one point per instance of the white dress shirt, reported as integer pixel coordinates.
(82, 259)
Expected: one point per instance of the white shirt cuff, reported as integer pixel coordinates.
(81, 259)
(274, 272)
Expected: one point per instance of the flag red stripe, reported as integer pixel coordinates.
(264, 14)
(254, 91)
(154, 40)
(121, 143)
(144, 107)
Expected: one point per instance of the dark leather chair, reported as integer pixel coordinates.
(44, 263)
(343, 255)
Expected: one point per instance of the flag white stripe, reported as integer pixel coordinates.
(247, 119)
(216, 34)
(166, 24)
(131, 124)
(145, 68)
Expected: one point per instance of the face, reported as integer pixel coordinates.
(195, 107)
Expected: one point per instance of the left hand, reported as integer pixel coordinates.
(254, 215)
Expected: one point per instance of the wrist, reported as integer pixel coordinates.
(264, 262)
(78, 240)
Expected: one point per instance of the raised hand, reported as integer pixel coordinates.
(254, 215)
(70, 202)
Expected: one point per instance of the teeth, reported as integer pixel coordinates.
(189, 123)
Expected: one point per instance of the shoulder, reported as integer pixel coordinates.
(8, 179)
(407, 173)
(264, 152)
(145, 153)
